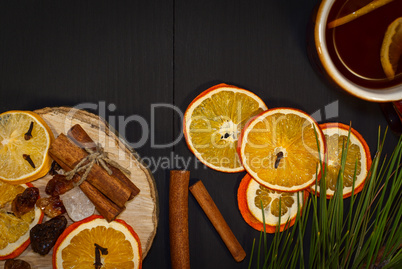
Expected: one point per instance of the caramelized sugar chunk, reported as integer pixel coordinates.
(25, 202)
(44, 236)
(16, 264)
(52, 206)
(58, 185)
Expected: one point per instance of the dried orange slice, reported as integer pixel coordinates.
(250, 195)
(76, 247)
(14, 231)
(24, 142)
(213, 122)
(391, 49)
(279, 149)
(336, 135)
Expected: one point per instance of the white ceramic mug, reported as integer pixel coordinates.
(391, 94)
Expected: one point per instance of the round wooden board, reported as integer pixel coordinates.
(141, 212)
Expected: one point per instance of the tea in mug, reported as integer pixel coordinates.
(355, 47)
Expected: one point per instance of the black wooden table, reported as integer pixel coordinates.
(144, 61)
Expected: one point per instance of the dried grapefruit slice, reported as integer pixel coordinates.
(213, 122)
(336, 135)
(279, 149)
(250, 195)
(14, 231)
(76, 247)
(24, 142)
(391, 49)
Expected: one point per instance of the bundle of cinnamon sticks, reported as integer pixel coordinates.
(108, 192)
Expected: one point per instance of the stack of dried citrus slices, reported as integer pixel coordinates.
(14, 231)
(25, 139)
(282, 150)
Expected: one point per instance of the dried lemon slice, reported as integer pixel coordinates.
(24, 142)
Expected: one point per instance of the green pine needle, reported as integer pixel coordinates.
(362, 234)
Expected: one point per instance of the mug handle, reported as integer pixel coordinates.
(398, 108)
(393, 114)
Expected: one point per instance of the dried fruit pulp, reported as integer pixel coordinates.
(250, 196)
(8, 192)
(279, 149)
(44, 236)
(15, 148)
(12, 227)
(278, 202)
(75, 247)
(271, 200)
(14, 231)
(16, 264)
(335, 144)
(358, 158)
(213, 122)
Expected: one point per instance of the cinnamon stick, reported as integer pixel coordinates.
(214, 215)
(69, 154)
(105, 207)
(78, 135)
(178, 219)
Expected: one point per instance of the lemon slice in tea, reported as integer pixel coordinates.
(391, 49)
(373, 5)
(279, 149)
(213, 121)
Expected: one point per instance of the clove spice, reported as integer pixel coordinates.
(98, 251)
(279, 157)
(28, 159)
(28, 135)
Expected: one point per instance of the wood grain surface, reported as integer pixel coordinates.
(136, 56)
(141, 212)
